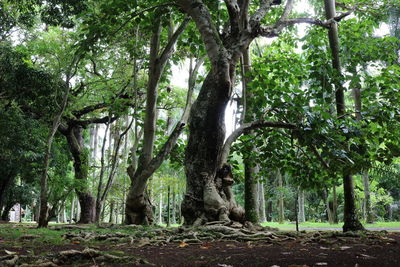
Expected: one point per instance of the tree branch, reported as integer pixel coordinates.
(208, 32)
(246, 127)
(169, 48)
(234, 15)
(274, 31)
(260, 13)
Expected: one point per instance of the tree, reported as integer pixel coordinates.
(206, 199)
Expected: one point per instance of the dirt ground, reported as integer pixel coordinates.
(316, 248)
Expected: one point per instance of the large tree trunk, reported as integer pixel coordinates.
(351, 221)
(208, 195)
(81, 167)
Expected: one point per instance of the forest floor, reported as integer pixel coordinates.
(211, 245)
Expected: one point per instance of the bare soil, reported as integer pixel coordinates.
(316, 248)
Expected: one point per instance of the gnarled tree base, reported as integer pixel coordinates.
(217, 203)
(138, 210)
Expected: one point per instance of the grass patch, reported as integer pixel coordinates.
(327, 225)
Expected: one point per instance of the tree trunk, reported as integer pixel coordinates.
(365, 177)
(4, 183)
(138, 209)
(328, 207)
(269, 210)
(99, 202)
(261, 202)
(351, 221)
(173, 206)
(160, 207)
(5, 216)
(72, 214)
(81, 167)
(281, 208)
(111, 219)
(250, 192)
(209, 196)
(251, 169)
(367, 199)
(334, 206)
(301, 213)
(169, 207)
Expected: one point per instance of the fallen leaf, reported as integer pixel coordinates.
(10, 252)
(183, 244)
(205, 246)
(344, 247)
(224, 265)
(323, 248)
(76, 242)
(321, 264)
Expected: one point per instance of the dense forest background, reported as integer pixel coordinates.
(95, 125)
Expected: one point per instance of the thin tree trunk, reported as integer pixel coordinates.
(281, 208)
(334, 206)
(111, 219)
(365, 176)
(269, 210)
(169, 207)
(173, 206)
(261, 202)
(160, 207)
(328, 207)
(351, 221)
(301, 213)
(99, 204)
(367, 198)
(72, 213)
(43, 217)
(251, 169)
(138, 208)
